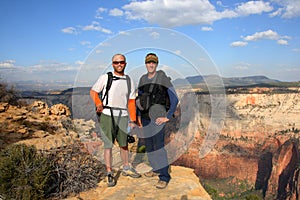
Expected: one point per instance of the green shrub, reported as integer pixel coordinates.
(24, 173)
(8, 94)
(211, 191)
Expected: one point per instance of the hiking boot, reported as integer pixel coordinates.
(110, 180)
(161, 184)
(151, 174)
(131, 172)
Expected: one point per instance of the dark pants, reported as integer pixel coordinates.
(155, 142)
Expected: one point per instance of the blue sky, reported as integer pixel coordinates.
(56, 40)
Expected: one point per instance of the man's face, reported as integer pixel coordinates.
(151, 66)
(119, 64)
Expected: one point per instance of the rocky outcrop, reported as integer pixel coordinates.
(256, 128)
(284, 178)
(37, 124)
(52, 128)
(183, 185)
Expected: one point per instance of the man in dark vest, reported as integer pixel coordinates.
(156, 102)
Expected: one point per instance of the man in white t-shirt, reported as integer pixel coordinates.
(117, 102)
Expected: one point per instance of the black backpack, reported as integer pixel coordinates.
(108, 85)
(110, 79)
(154, 93)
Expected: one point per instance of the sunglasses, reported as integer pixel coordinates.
(119, 62)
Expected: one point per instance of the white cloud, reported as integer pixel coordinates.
(278, 12)
(219, 3)
(170, 13)
(239, 44)
(206, 28)
(123, 33)
(253, 7)
(177, 52)
(95, 26)
(105, 44)
(289, 9)
(79, 62)
(154, 35)
(242, 66)
(85, 43)
(7, 64)
(69, 30)
(116, 12)
(269, 34)
(99, 12)
(282, 42)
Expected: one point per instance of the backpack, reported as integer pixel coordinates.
(108, 86)
(154, 93)
(110, 79)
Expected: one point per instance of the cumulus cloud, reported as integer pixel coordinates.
(242, 66)
(99, 12)
(154, 35)
(123, 33)
(7, 64)
(95, 26)
(269, 34)
(86, 44)
(177, 52)
(239, 44)
(288, 9)
(69, 30)
(296, 50)
(116, 12)
(282, 42)
(206, 28)
(253, 7)
(263, 35)
(79, 62)
(171, 13)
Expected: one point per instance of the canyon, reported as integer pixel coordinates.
(258, 141)
(250, 134)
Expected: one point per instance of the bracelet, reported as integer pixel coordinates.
(132, 122)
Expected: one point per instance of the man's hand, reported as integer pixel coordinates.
(99, 108)
(132, 125)
(161, 120)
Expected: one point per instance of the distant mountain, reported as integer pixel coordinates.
(233, 81)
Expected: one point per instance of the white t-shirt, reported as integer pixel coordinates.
(117, 95)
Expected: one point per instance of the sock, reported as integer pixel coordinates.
(126, 167)
(109, 173)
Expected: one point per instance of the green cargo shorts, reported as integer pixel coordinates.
(106, 131)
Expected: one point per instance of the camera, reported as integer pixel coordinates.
(130, 139)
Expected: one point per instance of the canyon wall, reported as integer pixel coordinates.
(258, 141)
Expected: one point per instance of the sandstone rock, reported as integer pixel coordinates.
(39, 106)
(60, 109)
(3, 107)
(285, 166)
(183, 185)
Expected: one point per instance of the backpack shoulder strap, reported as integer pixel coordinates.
(163, 79)
(142, 80)
(108, 85)
(128, 86)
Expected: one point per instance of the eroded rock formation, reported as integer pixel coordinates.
(258, 143)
